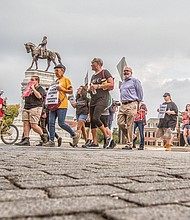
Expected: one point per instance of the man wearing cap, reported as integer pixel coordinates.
(167, 124)
(64, 88)
(131, 94)
(101, 81)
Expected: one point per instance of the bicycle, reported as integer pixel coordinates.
(9, 133)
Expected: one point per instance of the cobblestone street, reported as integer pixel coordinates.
(77, 184)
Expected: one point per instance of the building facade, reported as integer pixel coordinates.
(150, 134)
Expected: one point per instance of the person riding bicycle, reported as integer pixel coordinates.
(1, 105)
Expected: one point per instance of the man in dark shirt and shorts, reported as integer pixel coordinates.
(167, 125)
(32, 112)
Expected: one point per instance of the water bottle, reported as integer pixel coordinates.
(93, 91)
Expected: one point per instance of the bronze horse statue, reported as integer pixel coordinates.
(36, 54)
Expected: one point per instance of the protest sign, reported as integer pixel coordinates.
(162, 111)
(52, 94)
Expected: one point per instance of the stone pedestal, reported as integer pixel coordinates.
(46, 78)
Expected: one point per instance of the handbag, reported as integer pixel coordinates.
(54, 107)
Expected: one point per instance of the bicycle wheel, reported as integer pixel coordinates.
(9, 134)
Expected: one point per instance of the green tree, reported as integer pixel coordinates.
(12, 110)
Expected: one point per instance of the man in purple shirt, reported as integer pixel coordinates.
(131, 93)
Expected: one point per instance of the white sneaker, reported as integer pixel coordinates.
(76, 139)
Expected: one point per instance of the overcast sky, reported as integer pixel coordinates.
(153, 36)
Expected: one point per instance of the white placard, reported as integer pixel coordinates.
(52, 94)
(162, 111)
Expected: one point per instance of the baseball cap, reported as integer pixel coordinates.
(61, 66)
(98, 60)
(166, 94)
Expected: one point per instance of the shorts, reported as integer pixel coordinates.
(165, 132)
(82, 117)
(32, 115)
(104, 119)
(87, 124)
(187, 126)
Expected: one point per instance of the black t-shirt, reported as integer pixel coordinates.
(32, 101)
(102, 96)
(169, 121)
(82, 105)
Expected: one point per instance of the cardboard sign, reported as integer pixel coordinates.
(162, 111)
(140, 115)
(52, 95)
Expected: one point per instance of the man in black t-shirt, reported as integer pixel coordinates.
(167, 125)
(32, 112)
(101, 81)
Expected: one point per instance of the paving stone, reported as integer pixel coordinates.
(145, 187)
(83, 191)
(19, 172)
(66, 181)
(4, 186)
(157, 197)
(42, 207)
(151, 179)
(167, 212)
(35, 177)
(18, 194)
(88, 216)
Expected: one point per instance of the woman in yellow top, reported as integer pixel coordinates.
(64, 88)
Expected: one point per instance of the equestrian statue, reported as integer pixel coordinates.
(40, 52)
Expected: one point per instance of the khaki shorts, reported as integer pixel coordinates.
(32, 115)
(165, 133)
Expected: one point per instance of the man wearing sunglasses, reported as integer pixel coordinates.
(131, 94)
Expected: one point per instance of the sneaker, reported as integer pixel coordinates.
(186, 145)
(127, 148)
(40, 143)
(141, 148)
(59, 141)
(23, 142)
(112, 145)
(168, 147)
(44, 138)
(49, 144)
(76, 139)
(93, 146)
(107, 142)
(88, 142)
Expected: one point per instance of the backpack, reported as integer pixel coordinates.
(103, 76)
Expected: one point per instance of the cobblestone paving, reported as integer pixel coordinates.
(81, 184)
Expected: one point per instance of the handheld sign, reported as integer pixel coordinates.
(52, 94)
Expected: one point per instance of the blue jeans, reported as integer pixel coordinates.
(61, 115)
(140, 126)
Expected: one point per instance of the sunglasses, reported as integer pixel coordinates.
(126, 72)
(32, 80)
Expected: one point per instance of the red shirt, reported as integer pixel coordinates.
(1, 102)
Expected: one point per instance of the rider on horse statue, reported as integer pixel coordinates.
(43, 50)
